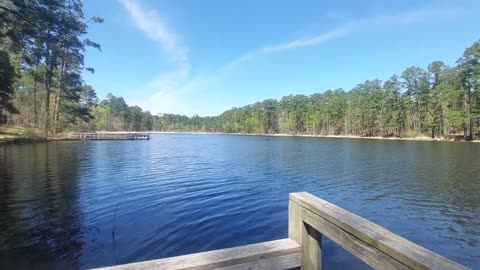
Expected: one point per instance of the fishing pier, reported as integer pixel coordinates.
(108, 136)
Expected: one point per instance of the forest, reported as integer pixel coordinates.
(42, 47)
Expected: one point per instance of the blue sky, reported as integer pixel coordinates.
(203, 57)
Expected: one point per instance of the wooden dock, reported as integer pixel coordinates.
(309, 219)
(108, 136)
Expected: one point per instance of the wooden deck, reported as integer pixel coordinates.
(309, 219)
(108, 136)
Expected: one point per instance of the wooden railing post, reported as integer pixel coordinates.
(295, 222)
(371, 243)
(307, 237)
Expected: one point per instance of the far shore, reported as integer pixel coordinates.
(419, 138)
(25, 140)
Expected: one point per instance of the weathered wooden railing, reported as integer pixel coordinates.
(279, 254)
(310, 218)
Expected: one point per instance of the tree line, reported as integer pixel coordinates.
(41, 63)
(436, 101)
(42, 59)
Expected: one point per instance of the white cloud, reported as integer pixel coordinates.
(169, 87)
(347, 28)
(298, 43)
(154, 27)
(169, 90)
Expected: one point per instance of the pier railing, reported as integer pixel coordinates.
(309, 219)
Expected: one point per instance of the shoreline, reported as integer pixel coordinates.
(20, 140)
(420, 138)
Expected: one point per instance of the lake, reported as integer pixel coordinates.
(100, 203)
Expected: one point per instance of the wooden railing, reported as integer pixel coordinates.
(310, 218)
(279, 254)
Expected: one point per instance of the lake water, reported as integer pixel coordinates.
(99, 203)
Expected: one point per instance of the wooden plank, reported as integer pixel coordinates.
(358, 248)
(399, 248)
(224, 258)
(290, 261)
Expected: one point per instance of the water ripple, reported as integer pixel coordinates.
(179, 194)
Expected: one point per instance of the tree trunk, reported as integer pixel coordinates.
(442, 132)
(56, 113)
(470, 118)
(35, 105)
(58, 97)
(50, 59)
(47, 104)
(471, 129)
(328, 124)
(108, 114)
(478, 125)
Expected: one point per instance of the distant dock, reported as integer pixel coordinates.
(100, 136)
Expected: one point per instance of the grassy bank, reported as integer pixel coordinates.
(17, 134)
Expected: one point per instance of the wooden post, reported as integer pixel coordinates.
(311, 248)
(307, 237)
(295, 222)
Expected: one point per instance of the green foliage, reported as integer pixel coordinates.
(47, 40)
(31, 133)
(422, 102)
(147, 121)
(412, 134)
(42, 59)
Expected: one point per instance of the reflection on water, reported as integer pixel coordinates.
(80, 205)
(41, 222)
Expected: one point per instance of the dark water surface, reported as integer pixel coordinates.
(178, 194)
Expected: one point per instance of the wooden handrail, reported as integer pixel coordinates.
(311, 217)
(278, 254)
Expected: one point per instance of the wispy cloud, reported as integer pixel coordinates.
(298, 43)
(168, 87)
(155, 28)
(348, 28)
(169, 90)
(170, 94)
